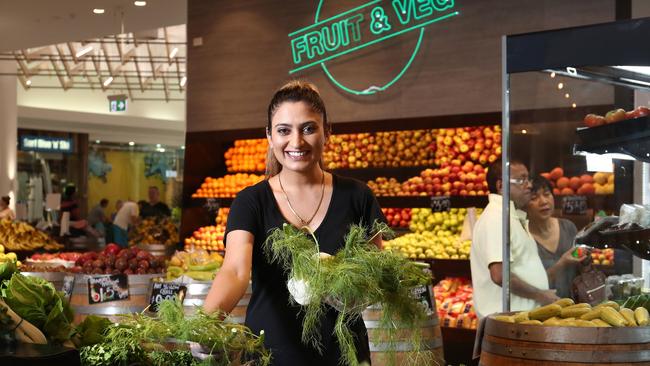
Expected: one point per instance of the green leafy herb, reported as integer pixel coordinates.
(37, 301)
(358, 276)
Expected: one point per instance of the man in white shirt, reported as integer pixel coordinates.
(127, 215)
(528, 279)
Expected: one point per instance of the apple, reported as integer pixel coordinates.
(641, 111)
(592, 120)
(615, 115)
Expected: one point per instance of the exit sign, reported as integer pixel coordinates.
(117, 103)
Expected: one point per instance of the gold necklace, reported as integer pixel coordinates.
(322, 194)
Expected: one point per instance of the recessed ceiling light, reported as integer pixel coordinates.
(140, 3)
(98, 11)
(28, 82)
(573, 105)
(567, 95)
(560, 85)
(131, 143)
(524, 131)
(183, 81)
(98, 141)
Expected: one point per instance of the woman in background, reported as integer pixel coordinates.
(5, 212)
(554, 237)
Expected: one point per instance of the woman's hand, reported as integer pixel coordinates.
(567, 259)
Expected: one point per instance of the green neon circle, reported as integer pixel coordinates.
(375, 89)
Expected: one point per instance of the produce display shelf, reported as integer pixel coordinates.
(425, 201)
(458, 344)
(442, 268)
(631, 137)
(384, 201)
(370, 173)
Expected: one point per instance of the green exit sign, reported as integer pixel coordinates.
(117, 103)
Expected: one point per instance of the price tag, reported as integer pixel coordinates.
(423, 294)
(574, 205)
(108, 288)
(165, 291)
(68, 285)
(440, 203)
(212, 205)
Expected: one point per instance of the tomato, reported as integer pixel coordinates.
(592, 120)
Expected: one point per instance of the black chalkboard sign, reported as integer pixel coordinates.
(574, 205)
(440, 203)
(423, 294)
(108, 288)
(212, 205)
(165, 291)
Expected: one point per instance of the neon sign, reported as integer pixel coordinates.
(363, 26)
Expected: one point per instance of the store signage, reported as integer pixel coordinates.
(212, 205)
(46, 144)
(355, 29)
(574, 205)
(108, 288)
(117, 103)
(423, 295)
(165, 291)
(440, 203)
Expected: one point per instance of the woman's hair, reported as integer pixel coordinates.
(540, 182)
(6, 200)
(293, 91)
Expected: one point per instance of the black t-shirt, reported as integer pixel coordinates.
(159, 209)
(256, 211)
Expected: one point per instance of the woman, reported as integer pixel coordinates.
(298, 191)
(5, 212)
(554, 238)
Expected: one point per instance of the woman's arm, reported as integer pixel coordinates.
(567, 259)
(234, 275)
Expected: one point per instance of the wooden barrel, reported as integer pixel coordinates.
(137, 301)
(56, 278)
(381, 350)
(197, 292)
(517, 344)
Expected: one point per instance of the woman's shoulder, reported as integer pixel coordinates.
(350, 184)
(567, 225)
(256, 191)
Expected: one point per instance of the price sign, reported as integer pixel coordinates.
(165, 291)
(440, 204)
(423, 294)
(574, 205)
(212, 205)
(68, 285)
(108, 288)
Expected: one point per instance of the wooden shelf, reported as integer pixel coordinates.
(458, 344)
(425, 201)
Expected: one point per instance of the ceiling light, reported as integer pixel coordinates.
(84, 51)
(108, 81)
(131, 143)
(524, 131)
(98, 11)
(573, 105)
(28, 82)
(173, 53)
(158, 146)
(183, 148)
(140, 3)
(98, 141)
(183, 81)
(553, 74)
(161, 150)
(560, 85)
(567, 95)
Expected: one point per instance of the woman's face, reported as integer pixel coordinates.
(541, 205)
(297, 136)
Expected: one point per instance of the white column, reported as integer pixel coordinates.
(8, 131)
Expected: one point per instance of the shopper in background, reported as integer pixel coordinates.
(6, 213)
(155, 208)
(298, 191)
(554, 238)
(118, 205)
(97, 217)
(126, 217)
(78, 225)
(528, 280)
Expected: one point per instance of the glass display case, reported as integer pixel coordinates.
(576, 113)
